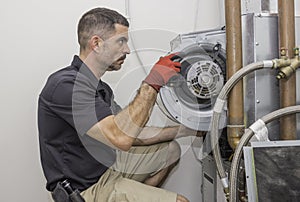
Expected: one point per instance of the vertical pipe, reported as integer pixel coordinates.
(286, 12)
(235, 127)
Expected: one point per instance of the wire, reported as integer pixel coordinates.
(127, 13)
(196, 15)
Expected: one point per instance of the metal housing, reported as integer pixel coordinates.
(260, 42)
(190, 100)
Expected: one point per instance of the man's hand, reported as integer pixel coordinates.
(162, 71)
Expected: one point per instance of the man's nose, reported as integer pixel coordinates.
(126, 49)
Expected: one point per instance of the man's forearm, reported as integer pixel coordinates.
(133, 118)
(154, 135)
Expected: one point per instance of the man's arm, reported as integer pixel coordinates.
(154, 135)
(121, 130)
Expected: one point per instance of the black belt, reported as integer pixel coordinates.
(64, 192)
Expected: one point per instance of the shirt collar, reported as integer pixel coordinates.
(85, 70)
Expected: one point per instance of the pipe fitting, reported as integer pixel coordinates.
(227, 194)
(286, 71)
(235, 133)
(283, 53)
(282, 62)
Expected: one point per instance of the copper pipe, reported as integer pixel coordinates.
(234, 62)
(286, 20)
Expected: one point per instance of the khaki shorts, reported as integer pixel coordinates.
(123, 181)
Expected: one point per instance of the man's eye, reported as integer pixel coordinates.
(121, 41)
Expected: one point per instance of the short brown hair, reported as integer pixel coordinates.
(99, 21)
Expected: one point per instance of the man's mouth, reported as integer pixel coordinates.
(122, 58)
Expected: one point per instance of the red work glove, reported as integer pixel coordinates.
(162, 71)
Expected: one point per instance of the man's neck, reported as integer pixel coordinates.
(91, 63)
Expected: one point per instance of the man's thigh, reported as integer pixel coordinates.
(132, 191)
(122, 189)
(141, 162)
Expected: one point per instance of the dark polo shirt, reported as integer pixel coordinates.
(71, 102)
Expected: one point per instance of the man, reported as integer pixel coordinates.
(87, 139)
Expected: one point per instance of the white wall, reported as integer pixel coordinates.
(39, 37)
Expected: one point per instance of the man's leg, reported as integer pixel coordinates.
(181, 198)
(113, 187)
(138, 164)
(157, 180)
(151, 166)
(173, 156)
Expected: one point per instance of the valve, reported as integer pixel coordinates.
(286, 66)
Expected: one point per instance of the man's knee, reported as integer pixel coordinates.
(174, 152)
(181, 198)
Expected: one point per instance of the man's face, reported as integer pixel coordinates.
(116, 48)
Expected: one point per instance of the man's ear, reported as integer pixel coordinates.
(95, 43)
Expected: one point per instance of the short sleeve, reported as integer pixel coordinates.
(76, 102)
(87, 106)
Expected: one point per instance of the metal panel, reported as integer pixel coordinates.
(260, 42)
(259, 6)
(212, 186)
(267, 98)
(250, 175)
(209, 176)
(251, 6)
(249, 57)
(272, 170)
